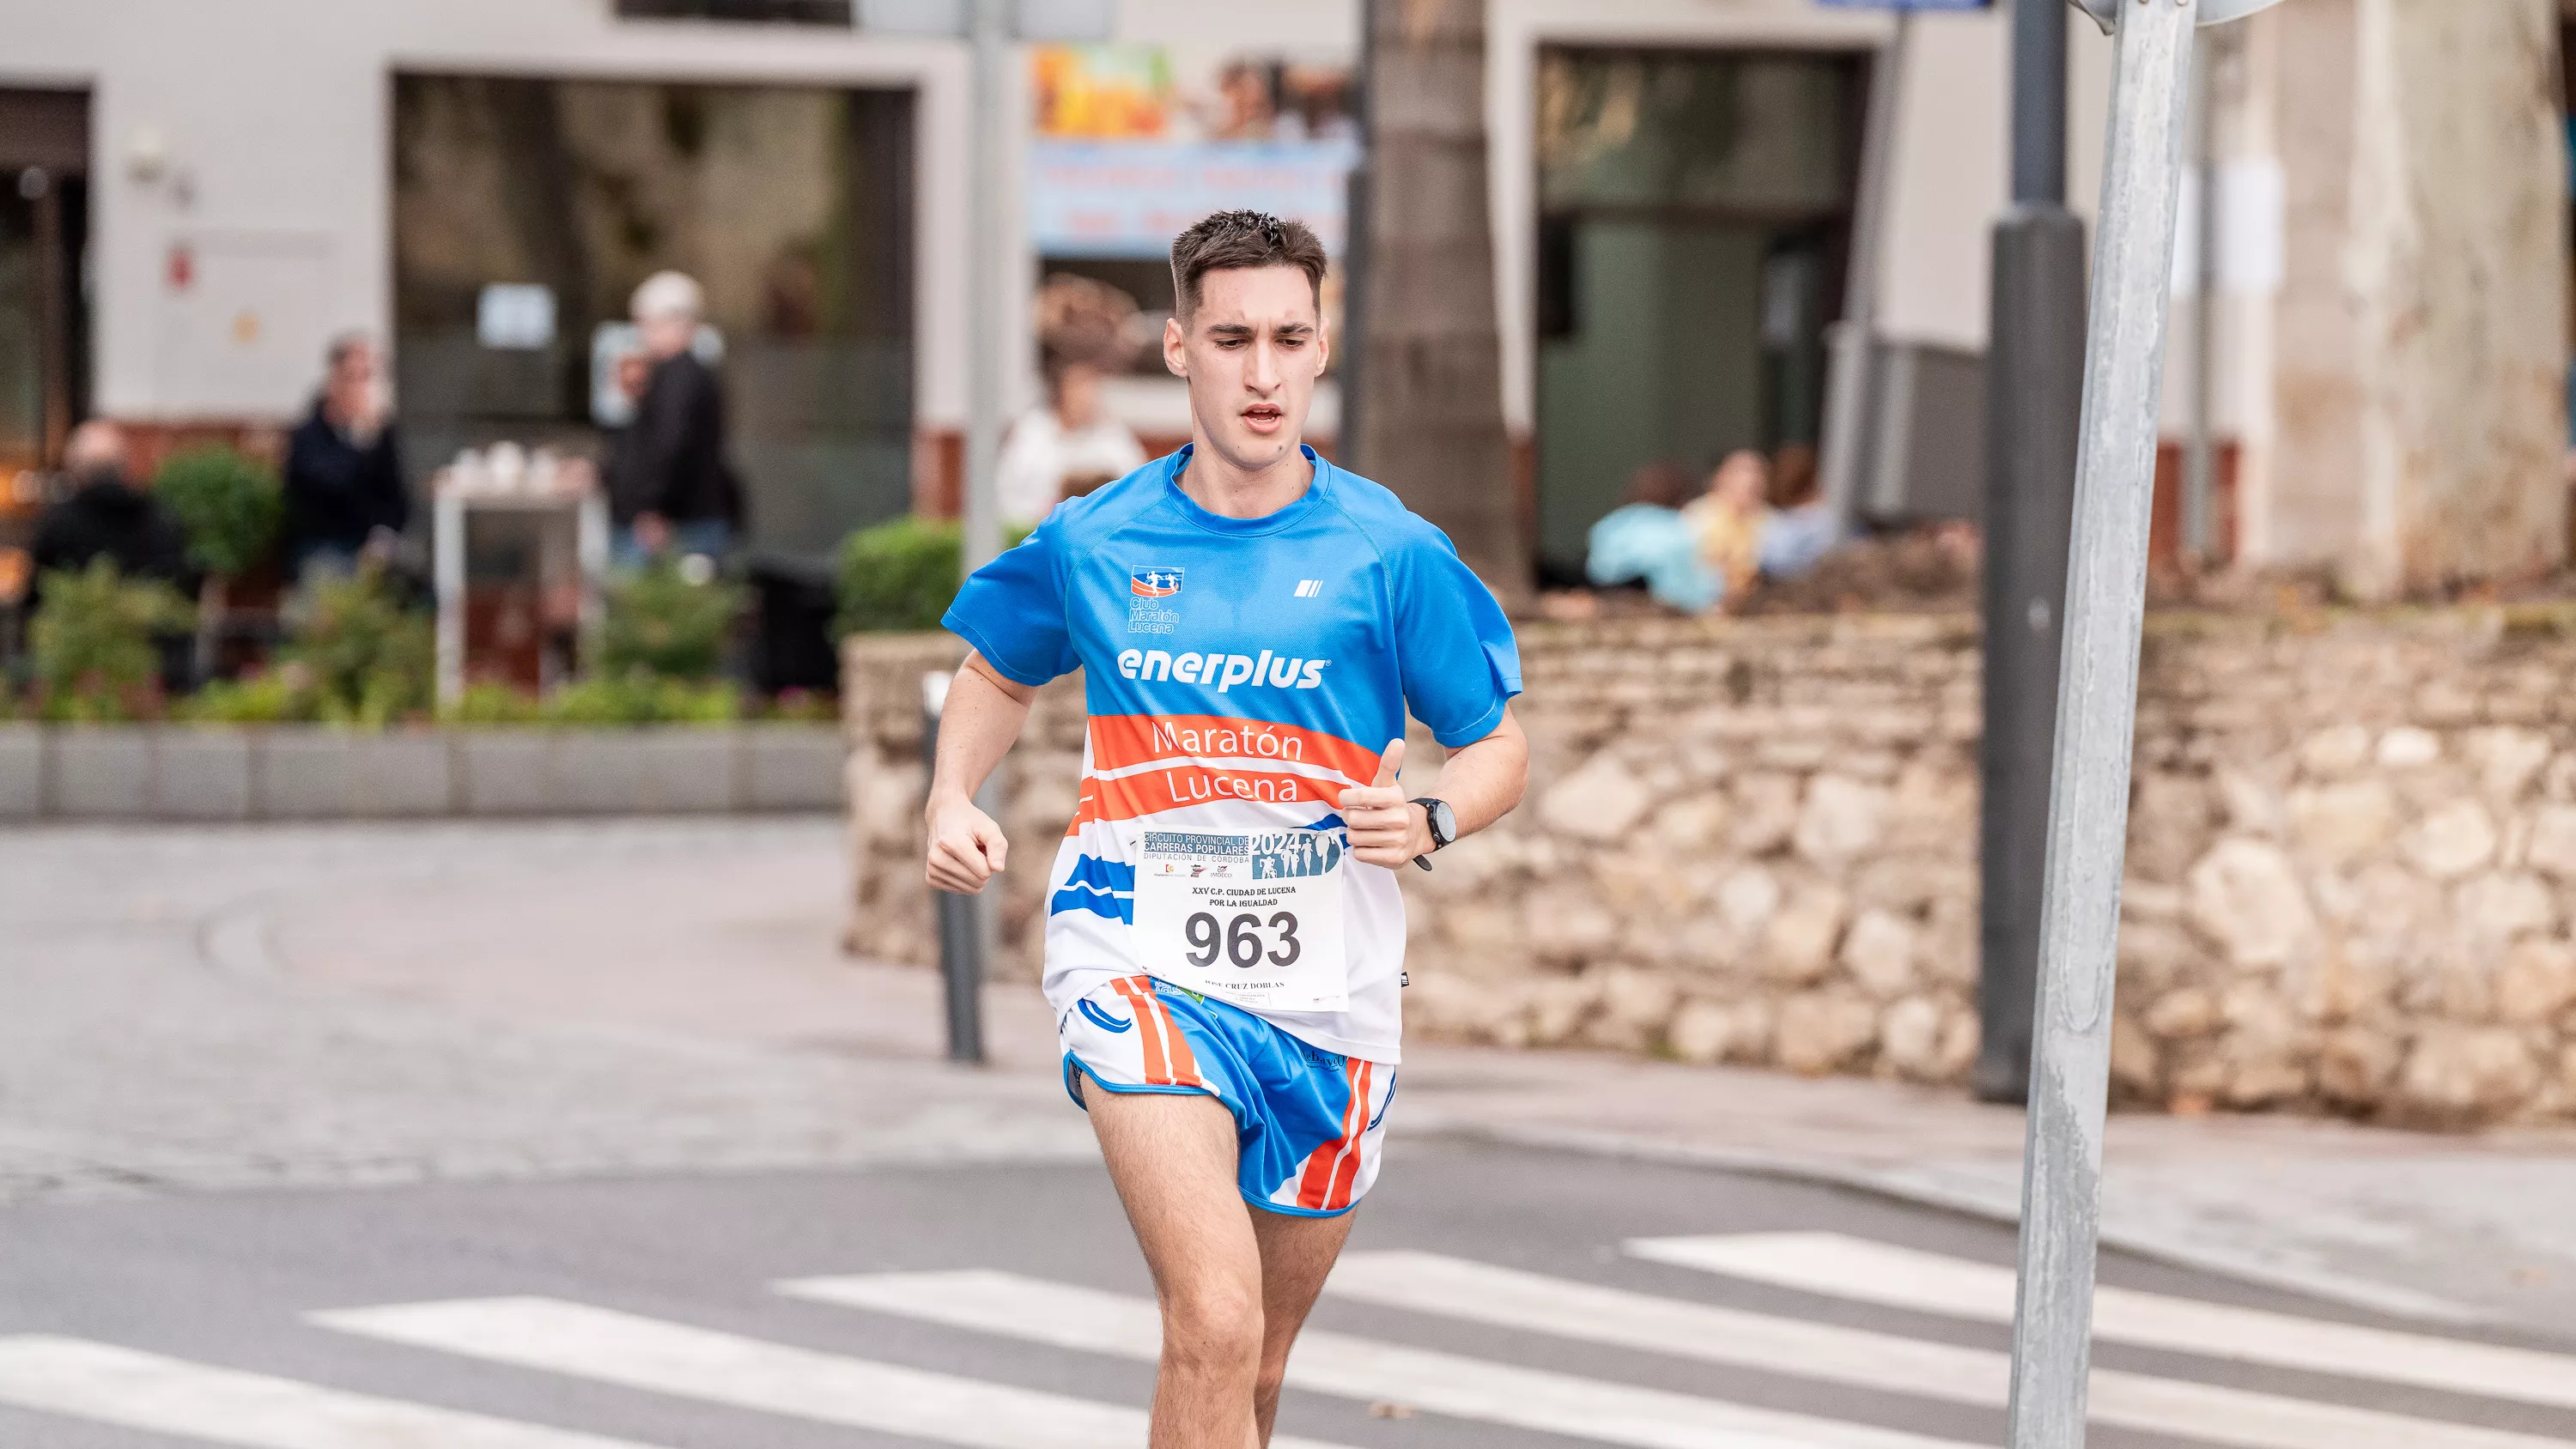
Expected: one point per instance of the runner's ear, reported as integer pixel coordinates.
(1390, 764)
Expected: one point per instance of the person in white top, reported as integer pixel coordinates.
(1064, 449)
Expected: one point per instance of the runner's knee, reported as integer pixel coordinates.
(1213, 1324)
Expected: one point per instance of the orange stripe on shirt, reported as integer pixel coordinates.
(1119, 741)
(1131, 796)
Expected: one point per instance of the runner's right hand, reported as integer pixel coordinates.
(966, 847)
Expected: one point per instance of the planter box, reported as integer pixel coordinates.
(178, 772)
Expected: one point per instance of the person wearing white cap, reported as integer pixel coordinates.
(671, 489)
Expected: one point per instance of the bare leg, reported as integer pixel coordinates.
(1297, 1254)
(1173, 1159)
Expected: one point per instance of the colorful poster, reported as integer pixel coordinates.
(1127, 151)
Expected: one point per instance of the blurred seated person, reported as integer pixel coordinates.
(1647, 541)
(1064, 449)
(1744, 539)
(106, 515)
(344, 488)
(1086, 331)
(671, 489)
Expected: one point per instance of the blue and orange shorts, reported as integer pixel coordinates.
(1310, 1124)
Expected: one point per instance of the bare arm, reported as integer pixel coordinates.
(982, 717)
(1481, 782)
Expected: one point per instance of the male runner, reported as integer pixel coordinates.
(1250, 622)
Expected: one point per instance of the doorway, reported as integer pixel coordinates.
(44, 305)
(526, 211)
(1695, 217)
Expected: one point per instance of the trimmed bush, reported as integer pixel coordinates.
(900, 577)
(95, 644)
(227, 504)
(662, 623)
(371, 661)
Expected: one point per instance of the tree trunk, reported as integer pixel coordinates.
(2458, 265)
(214, 599)
(1430, 420)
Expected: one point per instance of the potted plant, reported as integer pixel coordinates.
(229, 506)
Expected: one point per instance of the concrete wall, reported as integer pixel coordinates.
(291, 772)
(2349, 869)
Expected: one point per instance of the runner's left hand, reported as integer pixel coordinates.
(1386, 829)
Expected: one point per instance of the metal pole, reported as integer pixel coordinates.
(2034, 401)
(2200, 482)
(979, 508)
(1854, 339)
(2097, 702)
(964, 922)
(1350, 349)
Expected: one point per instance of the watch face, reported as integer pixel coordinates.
(1444, 821)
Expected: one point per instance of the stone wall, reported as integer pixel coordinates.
(1754, 841)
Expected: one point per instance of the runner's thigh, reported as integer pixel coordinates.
(1172, 1157)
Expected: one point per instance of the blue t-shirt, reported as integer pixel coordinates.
(1238, 674)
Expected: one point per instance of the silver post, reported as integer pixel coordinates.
(2097, 699)
(979, 508)
(2200, 481)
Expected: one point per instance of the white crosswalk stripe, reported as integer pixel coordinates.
(107, 1385)
(1068, 1316)
(79, 1379)
(749, 1373)
(1835, 1266)
(2211, 1413)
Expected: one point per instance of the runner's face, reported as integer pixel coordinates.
(1251, 354)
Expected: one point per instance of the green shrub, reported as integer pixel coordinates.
(281, 696)
(642, 699)
(660, 622)
(94, 647)
(227, 504)
(371, 660)
(901, 576)
(493, 704)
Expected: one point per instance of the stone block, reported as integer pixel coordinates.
(99, 773)
(202, 774)
(327, 774)
(22, 771)
(795, 767)
(506, 772)
(676, 771)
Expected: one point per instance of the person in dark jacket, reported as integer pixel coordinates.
(106, 516)
(344, 487)
(670, 486)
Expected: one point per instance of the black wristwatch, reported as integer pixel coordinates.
(1443, 822)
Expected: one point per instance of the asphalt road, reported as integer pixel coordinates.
(649, 1310)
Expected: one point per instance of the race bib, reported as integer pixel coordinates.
(1255, 919)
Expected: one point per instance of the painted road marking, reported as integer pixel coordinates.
(1873, 1272)
(94, 1381)
(1088, 1319)
(749, 1373)
(2211, 1413)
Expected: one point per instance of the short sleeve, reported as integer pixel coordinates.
(1452, 643)
(1013, 612)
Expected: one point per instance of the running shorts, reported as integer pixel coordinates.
(1311, 1124)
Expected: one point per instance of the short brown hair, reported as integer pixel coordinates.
(1232, 239)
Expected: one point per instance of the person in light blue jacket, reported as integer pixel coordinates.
(1646, 540)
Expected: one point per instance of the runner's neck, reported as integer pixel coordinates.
(1230, 491)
